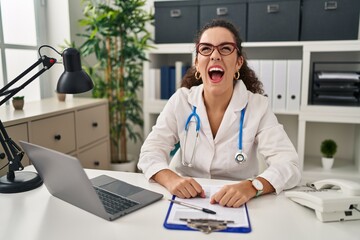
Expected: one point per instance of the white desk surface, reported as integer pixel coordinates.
(36, 215)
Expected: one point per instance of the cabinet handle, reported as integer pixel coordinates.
(279, 96)
(57, 137)
(95, 124)
(221, 11)
(96, 163)
(175, 13)
(273, 8)
(293, 97)
(330, 5)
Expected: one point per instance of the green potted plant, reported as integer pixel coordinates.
(116, 34)
(18, 102)
(328, 149)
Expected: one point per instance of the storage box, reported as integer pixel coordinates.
(337, 86)
(176, 21)
(233, 10)
(329, 19)
(270, 20)
(335, 91)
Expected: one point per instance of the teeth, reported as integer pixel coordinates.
(216, 69)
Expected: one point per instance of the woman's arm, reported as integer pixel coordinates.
(235, 195)
(182, 187)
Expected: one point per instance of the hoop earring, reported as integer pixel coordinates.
(237, 75)
(197, 75)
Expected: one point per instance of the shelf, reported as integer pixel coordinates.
(173, 48)
(343, 168)
(314, 46)
(330, 114)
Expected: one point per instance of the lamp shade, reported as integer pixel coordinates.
(74, 79)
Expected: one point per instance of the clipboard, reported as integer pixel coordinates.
(215, 222)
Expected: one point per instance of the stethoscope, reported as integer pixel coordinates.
(240, 156)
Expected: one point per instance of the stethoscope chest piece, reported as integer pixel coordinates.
(240, 157)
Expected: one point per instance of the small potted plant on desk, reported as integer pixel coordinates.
(328, 149)
(18, 102)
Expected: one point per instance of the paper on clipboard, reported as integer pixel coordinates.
(238, 215)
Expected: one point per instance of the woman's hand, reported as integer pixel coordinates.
(234, 195)
(182, 187)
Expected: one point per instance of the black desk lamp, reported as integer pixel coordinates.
(73, 80)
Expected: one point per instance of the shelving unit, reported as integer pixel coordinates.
(308, 126)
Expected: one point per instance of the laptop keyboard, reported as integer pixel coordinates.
(114, 203)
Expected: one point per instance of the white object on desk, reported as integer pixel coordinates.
(330, 204)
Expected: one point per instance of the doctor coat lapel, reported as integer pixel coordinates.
(195, 98)
(237, 103)
(231, 116)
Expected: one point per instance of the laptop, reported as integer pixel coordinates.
(103, 196)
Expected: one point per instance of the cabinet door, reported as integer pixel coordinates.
(96, 157)
(16, 133)
(56, 133)
(91, 125)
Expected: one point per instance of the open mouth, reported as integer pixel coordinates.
(216, 74)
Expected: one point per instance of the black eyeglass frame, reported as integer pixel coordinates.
(217, 48)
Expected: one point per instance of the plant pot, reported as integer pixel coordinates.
(327, 163)
(18, 104)
(61, 97)
(129, 166)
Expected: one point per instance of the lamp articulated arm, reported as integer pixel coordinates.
(13, 152)
(46, 61)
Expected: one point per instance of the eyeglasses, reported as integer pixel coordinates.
(226, 48)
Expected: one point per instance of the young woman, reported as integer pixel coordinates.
(223, 124)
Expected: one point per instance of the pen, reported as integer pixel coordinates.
(206, 210)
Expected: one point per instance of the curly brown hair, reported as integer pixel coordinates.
(248, 76)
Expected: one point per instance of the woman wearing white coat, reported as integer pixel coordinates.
(232, 117)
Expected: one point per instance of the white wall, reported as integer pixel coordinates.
(57, 30)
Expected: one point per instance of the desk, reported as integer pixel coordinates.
(36, 215)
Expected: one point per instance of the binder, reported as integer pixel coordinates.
(279, 87)
(154, 83)
(255, 66)
(172, 81)
(293, 85)
(266, 77)
(165, 82)
(180, 70)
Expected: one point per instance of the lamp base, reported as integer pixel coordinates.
(24, 181)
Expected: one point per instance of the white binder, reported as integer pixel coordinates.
(293, 85)
(255, 66)
(279, 87)
(266, 77)
(178, 73)
(154, 83)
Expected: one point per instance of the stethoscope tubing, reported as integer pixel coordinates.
(239, 155)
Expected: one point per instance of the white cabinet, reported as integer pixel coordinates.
(78, 127)
(307, 125)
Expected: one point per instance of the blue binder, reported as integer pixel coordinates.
(164, 82)
(172, 226)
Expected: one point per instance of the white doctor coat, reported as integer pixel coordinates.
(263, 137)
